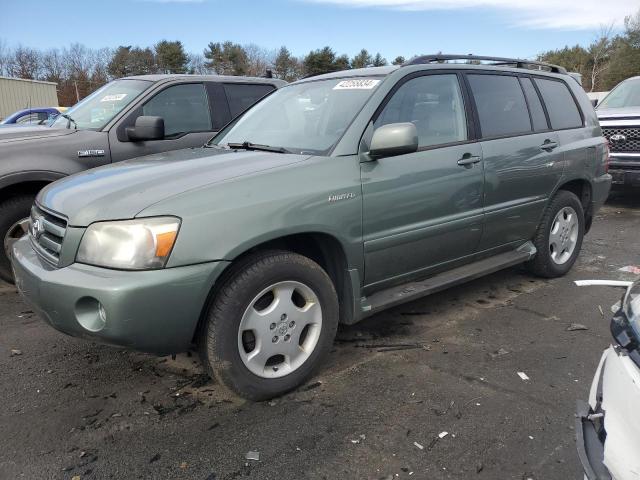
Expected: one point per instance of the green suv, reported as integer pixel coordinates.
(331, 199)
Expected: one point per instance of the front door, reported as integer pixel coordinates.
(187, 116)
(423, 210)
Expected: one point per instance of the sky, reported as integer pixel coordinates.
(514, 28)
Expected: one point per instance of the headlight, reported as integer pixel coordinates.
(139, 244)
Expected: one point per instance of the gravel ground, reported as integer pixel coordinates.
(74, 409)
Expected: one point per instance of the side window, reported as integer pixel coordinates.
(29, 118)
(433, 103)
(562, 108)
(535, 106)
(500, 104)
(185, 109)
(242, 96)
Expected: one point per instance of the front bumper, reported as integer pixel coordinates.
(154, 311)
(625, 170)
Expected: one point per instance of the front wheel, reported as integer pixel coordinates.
(14, 221)
(559, 236)
(270, 325)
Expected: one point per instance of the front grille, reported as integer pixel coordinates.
(46, 231)
(631, 142)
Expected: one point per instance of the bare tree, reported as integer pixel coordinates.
(600, 52)
(259, 59)
(53, 66)
(24, 63)
(5, 57)
(196, 65)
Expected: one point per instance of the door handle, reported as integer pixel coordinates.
(468, 160)
(548, 145)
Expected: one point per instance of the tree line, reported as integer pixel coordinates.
(79, 70)
(607, 60)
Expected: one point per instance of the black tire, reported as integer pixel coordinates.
(542, 264)
(219, 337)
(12, 210)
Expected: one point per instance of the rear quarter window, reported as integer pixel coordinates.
(562, 108)
(242, 96)
(500, 104)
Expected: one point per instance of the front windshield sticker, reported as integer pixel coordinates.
(114, 98)
(364, 84)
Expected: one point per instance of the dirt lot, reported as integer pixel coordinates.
(73, 409)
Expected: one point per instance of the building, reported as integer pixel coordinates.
(17, 94)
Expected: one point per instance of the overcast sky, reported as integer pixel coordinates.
(519, 28)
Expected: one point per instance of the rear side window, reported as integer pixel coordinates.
(433, 103)
(500, 104)
(241, 96)
(535, 106)
(562, 108)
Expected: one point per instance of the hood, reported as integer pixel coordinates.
(10, 133)
(122, 190)
(612, 113)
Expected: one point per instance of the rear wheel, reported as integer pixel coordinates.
(14, 222)
(270, 325)
(559, 236)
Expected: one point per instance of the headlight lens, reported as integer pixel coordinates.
(139, 244)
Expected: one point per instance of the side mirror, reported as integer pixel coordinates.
(394, 139)
(146, 128)
(594, 102)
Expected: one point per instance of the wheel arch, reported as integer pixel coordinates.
(26, 183)
(582, 189)
(323, 248)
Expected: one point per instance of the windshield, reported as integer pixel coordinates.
(627, 94)
(307, 117)
(633, 308)
(96, 110)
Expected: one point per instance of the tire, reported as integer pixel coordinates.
(552, 262)
(248, 291)
(12, 211)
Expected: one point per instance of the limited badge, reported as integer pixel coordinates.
(90, 153)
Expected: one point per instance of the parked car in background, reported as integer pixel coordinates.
(619, 115)
(332, 199)
(33, 116)
(608, 425)
(126, 118)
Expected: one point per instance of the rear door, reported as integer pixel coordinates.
(521, 163)
(189, 118)
(423, 210)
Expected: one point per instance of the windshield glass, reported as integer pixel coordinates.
(307, 117)
(96, 110)
(633, 308)
(627, 94)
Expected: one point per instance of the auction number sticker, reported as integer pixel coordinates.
(358, 84)
(113, 98)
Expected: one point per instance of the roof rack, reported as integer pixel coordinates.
(506, 62)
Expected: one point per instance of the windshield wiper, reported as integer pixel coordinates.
(258, 147)
(69, 120)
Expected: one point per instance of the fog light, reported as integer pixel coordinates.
(91, 314)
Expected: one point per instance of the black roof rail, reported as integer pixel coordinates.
(516, 62)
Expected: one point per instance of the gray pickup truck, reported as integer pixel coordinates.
(126, 118)
(330, 200)
(619, 115)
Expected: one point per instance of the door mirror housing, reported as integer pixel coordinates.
(594, 102)
(394, 139)
(146, 128)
